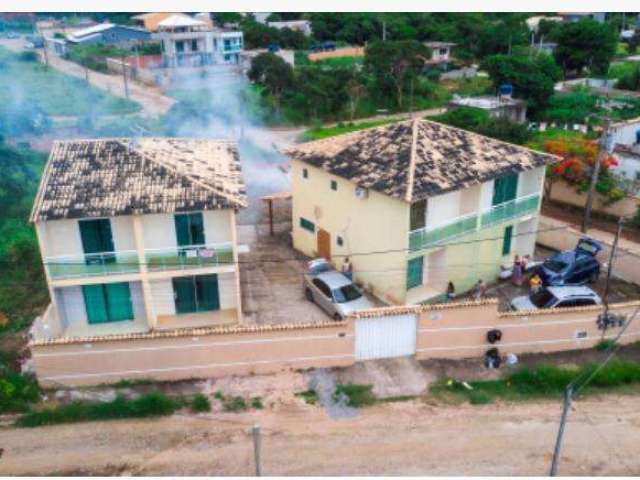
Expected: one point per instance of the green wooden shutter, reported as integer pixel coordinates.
(96, 235)
(417, 214)
(185, 295)
(414, 272)
(182, 230)
(119, 305)
(196, 227)
(506, 240)
(207, 292)
(504, 189)
(95, 304)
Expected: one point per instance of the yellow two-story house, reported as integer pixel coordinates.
(415, 205)
(138, 235)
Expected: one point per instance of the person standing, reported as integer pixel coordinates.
(451, 292)
(347, 268)
(517, 276)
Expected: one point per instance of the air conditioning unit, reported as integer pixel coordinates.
(362, 193)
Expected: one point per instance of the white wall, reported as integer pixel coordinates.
(626, 133)
(217, 226)
(227, 289)
(628, 165)
(137, 300)
(530, 181)
(443, 208)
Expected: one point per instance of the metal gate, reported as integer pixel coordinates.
(385, 337)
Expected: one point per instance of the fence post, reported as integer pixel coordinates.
(256, 449)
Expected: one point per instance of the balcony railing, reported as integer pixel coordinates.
(183, 258)
(432, 236)
(419, 239)
(92, 264)
(511, 209)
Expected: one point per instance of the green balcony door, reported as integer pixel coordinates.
(196, 294)
(506, 240)
(109, 302)
(97, 238)
(504, 189)
(189, 229)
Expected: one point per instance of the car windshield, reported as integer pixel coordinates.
(319, 268)
(541, 298)
(348, 293)
(556, 265)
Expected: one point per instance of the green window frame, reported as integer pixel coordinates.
(96, 235)
(415, 268)
(504, 189)
(307, 225)
(108, 302)
(189, 229)
(507, 240)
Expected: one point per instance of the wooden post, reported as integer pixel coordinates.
(270, 216)
(256, 449)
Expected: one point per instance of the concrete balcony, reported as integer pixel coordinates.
(433, 236)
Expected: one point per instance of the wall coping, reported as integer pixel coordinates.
(407, 309)
(187, 332)
(555, 311)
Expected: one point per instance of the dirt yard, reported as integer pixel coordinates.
(402, 438)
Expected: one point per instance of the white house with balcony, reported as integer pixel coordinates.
(416, 204)
(187, 41)
(139, 236)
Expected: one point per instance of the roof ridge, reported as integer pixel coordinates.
(412, 160)
(186, 175)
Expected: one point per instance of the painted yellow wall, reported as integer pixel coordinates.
(377, 223)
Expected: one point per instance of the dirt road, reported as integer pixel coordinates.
(408, 438)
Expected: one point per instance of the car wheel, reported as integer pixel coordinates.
(337, 317)
(308, 294)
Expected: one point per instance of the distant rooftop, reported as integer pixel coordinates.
(440, 44)
(119, 176)
(485, 102)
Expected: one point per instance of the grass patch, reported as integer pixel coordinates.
(469, 87)
(397, 398)
(605, 345)
(341, 61)
(150, 405)
(542, 382)
(341, 128)
(234, 404)
(127, 383)
(309, 396)
(357, 395)
(200, 403)
(54, 92)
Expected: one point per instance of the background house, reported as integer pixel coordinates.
(138, 235)
(500, 106)
(193, 42)
(303, 26)
(625, 141)
(416, 204)
(440, 52)
(110, 34)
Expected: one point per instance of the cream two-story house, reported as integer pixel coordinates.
(416, 204)
(138, 235)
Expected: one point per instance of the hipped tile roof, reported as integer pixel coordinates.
(110, 177)
(416, 159)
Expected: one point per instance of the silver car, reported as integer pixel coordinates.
(556, 297)
(332, 291)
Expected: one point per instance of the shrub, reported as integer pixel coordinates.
(17, 391)
(309, 396)
(256, 402)
(149, 405)
(541, 380)
(357, 395)
(234, 404)
(605, 345)
(479, 397)
(200, 403)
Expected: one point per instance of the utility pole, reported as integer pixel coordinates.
(124, 77)
(384, 30)
(610, 269)
(604, 149)
(256, 449)
(568, 392)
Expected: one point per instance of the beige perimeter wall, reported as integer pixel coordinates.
(175, 356)
(562, 192)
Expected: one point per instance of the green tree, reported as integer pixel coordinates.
(533, 78)
(273, 73)
(394, 65)
(585, 44)
(630, 80)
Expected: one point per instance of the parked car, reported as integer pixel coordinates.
(572, 267)
(332, 291)
(557, 297)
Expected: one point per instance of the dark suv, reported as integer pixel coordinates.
(572, 267)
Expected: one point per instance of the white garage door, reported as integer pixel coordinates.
(385, 337)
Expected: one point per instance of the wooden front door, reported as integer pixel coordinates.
(324, 244)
